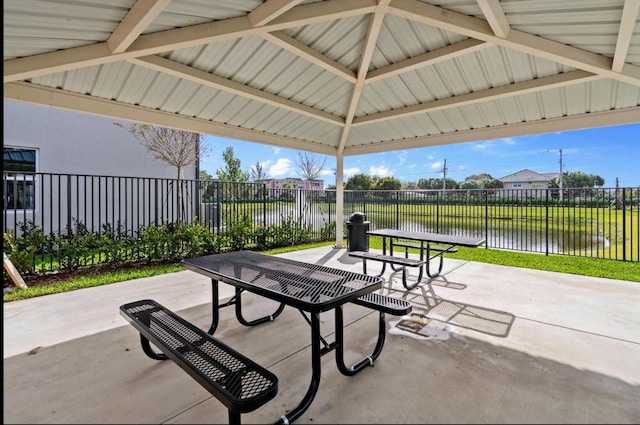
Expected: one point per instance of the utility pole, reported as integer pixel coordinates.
(560, 183)
(444, 177)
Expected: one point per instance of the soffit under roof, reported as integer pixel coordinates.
(334, 77)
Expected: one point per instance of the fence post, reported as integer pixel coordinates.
(398, 210)
(486, 218)
(546, 223)
(264, 204)
(155, 220)
(624, 225)
(69, 232)
(437, 211)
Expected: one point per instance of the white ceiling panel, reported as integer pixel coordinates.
(334, 77)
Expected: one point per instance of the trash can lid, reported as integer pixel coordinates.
(357, 217)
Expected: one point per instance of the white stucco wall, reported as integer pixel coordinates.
(79, 145)
(76, 143)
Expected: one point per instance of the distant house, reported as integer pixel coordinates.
(293, 183)
(46, 150)
(527, 179)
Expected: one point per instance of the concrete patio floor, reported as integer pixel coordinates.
(486, 344)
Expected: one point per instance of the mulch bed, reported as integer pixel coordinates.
(53, 278)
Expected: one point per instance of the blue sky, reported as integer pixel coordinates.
(608, 152)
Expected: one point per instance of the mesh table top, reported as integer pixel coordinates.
(309, 287)
(428, 237)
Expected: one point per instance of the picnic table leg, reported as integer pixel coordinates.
(257, 321)
(429, 258)
(413, 285)
(367, 361)
(150, 352)
(364, 267)
(407, 285)
(316, 372)
(215, 307)
(237, 301)
(384, 249)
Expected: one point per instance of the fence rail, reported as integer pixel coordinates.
(598, 223)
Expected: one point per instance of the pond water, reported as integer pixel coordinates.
(512, 236)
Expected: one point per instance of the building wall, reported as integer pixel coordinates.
(75, 143)
(526, 184)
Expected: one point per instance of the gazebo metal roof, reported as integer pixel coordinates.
(333, 77)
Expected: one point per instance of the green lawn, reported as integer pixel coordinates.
(611, 269)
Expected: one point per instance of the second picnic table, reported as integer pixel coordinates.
(423, 241)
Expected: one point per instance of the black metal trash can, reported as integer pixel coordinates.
(357, 236)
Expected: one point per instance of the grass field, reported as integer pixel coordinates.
(611, 269)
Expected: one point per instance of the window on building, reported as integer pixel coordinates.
(18, 183)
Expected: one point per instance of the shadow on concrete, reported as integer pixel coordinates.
(105, 378)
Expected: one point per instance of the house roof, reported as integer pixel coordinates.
(333, 77)
(526, 175)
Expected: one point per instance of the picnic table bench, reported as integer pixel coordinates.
(241, 384)
(238, 382)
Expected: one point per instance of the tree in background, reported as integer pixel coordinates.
(578, 180)
(436, 184)
(359, 182)
(256, 173)
(231, 175)
(208, 187)
(310, 167)
(481, 181)
(429, 183)
(232, 171)
(204, 176)
(177, 148)
(387, 183)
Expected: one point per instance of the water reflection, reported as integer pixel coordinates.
(512, 235)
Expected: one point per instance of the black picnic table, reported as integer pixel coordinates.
(310, 288)
(424, 242)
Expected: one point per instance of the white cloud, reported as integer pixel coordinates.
(327, 172)
(282, 167)
(484, 145)
(491, 144)
(402, 157)
(462, 167)
(380, 171)
(348, 172)
(436, 165)
(276, 150)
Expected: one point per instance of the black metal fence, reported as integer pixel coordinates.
(59, 203)
(598, 223)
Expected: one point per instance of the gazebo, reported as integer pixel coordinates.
(332, 77)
